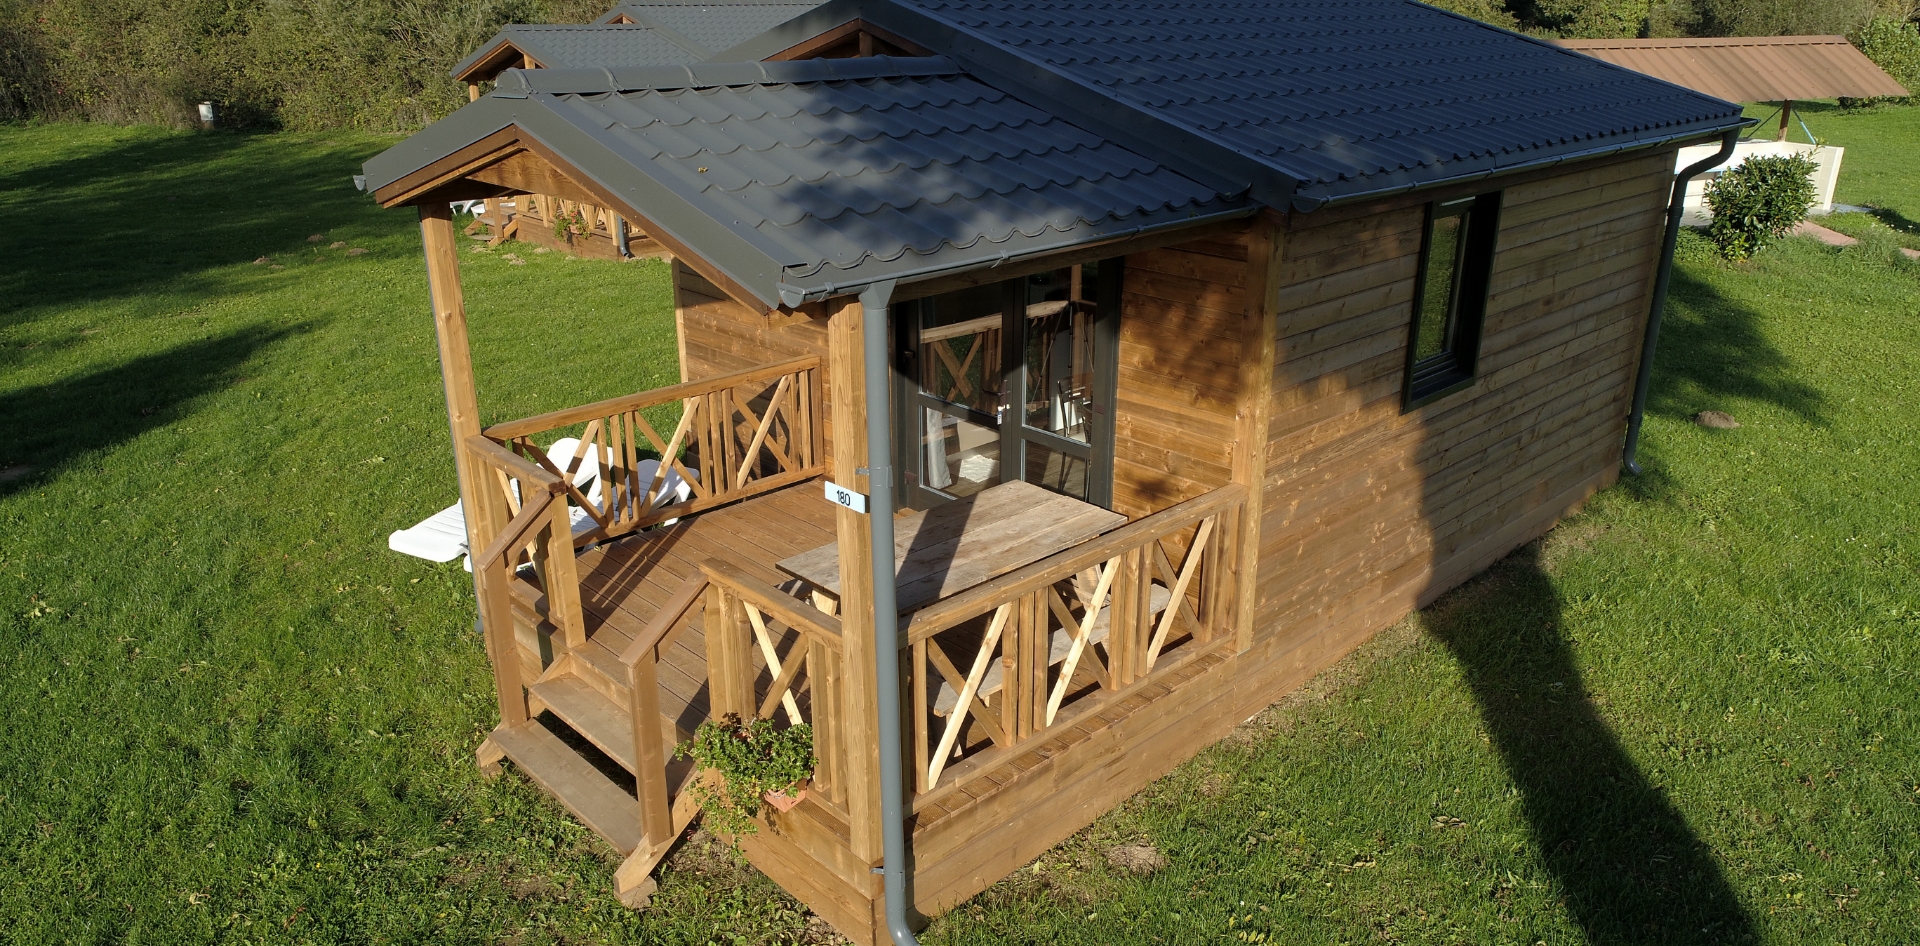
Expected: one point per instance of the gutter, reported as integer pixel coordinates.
(793, 296)
(1675, 210)
(886, 619)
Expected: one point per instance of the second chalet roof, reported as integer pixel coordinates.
(577, 47)
(798, 179)
(1751, 68)
(713, 25)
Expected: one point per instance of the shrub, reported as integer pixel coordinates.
(379, 65)
(1895, 47)
(1757, 201)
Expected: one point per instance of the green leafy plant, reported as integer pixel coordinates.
(566, 226)
(752, 758)
(1758, 201)
(1894, 46)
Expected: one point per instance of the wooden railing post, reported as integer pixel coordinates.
(561, 580)
(729, 660)
(496, 621)
(649, 749)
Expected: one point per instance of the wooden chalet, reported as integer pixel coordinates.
(1185, 357)
(634, 34)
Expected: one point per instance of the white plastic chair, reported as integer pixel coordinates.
(442, 537)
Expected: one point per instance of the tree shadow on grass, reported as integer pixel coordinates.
(49, 426)
(1712, 349)
(1632, 869)
(164, 212)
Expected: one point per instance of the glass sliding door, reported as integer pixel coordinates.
(1011, 380)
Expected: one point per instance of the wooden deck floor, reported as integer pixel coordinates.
(624, 583)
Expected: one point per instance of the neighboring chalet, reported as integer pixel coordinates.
(635, 34)
(1190, 345)
(1756, 69)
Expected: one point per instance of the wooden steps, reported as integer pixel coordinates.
(592, 797)
(606, 724)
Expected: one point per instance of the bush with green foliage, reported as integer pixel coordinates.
(753, 758)
(1894, 46)
(378, 65)
(1758, 201)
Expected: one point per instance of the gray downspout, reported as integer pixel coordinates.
(620, 236)
(1675, 210)
(886, 652)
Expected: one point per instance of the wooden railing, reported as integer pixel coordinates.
(522, 511)
(800, 650)
(1096, 619)
(739, 435)
(651, 754)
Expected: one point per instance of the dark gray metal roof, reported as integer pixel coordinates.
(1302, 100)
(715, 26)
(802, 179)
(581, 47)
(1055, 123)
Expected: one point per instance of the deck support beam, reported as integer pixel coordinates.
(846, 353)
(1259, 333)
(456, 359)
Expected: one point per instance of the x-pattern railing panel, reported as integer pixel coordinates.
(737, 436)
(1095, 619)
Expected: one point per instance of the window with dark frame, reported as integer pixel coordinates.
(1450, 296)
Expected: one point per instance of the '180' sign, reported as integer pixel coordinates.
(842, 496)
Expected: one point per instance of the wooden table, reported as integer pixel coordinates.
(945, 550)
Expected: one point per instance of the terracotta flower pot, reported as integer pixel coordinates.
(783, 801)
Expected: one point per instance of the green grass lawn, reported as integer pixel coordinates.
(231, 715)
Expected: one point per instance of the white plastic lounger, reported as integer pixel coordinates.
(442, 537)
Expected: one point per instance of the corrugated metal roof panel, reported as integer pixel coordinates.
(1751, 68)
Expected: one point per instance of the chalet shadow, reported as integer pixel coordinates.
(1173, 350)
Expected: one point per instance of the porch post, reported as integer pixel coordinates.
(456, 360)
(1259, 331)
(860, 706)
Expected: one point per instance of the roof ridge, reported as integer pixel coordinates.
(519, 83)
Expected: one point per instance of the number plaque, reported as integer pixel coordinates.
(843, 496)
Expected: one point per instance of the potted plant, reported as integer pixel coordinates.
(570, 227)
(748, 763)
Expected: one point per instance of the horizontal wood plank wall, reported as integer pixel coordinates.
(718, 335)
(1369, 513)
(1364, 504)
(1180, 318)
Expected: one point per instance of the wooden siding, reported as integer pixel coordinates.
(1180, 327)
(1365, 504)
(1368, 512)
(718, 335)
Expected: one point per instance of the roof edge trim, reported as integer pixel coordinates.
(1307, 203)
(519, 83)
(793, 296)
